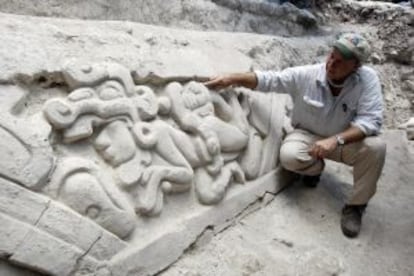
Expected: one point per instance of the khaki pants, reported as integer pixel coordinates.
(366, 157)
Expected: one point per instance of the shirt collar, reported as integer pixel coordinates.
(321, 79)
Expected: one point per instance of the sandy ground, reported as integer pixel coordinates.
(298, 233)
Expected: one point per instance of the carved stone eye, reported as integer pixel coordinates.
(140, 92)
(145, 131)
(111, 90)
(86, 69)
(195, 90)
(93, 211)
(81, 94)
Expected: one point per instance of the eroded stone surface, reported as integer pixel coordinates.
(135, 173)
(20, 203)
(26, 153)
(232, 16)
(12, 270)
(409, 128)
(201, 142)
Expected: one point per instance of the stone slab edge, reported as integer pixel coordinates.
(46, 236)
(158, 254)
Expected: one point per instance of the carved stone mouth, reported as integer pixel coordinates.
(107, 155)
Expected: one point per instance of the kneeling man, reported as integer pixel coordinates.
(337, 115)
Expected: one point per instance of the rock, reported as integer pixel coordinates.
(409, 128)
(25, 151)
(376, 58)
(408, 85)
(306, 19)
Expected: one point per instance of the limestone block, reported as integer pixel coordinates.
(84, 187)
(106, 247)
(170, 242)
(21, 203)
(89, 266)
(74, 229)
(215, 127)
(267, 114)
(27, 246)
(409, 128)
(44, 253)
(78, 75)
(26, 155)
(139, 171)
(8, 269)
(68, 226)
(12, 234)
(65, 39)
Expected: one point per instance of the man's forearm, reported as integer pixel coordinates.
(322, 148)
(352, 134)
(248, 80)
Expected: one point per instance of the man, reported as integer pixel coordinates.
(337, 114)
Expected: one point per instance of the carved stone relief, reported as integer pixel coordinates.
(122, 155)
(26, 156)
(157, 144)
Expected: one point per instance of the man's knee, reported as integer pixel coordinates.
(293, 158)
(376, 146)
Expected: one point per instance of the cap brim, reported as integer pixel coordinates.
(345, 52)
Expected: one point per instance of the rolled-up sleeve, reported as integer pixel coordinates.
(278, 81)
(369, 117)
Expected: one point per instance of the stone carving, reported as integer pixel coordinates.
(150, 155)
(158, 144)
(105, 156)
(409, 128)
(85, 188)
(223, 135)
(26, 156)
(267, 115)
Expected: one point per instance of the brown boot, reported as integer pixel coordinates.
(351, 219)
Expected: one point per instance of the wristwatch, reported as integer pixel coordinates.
(340, 140)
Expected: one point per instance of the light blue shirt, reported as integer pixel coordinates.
(317, 110)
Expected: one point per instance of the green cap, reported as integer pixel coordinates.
(353, 45)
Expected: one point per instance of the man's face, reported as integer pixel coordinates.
(338, 68)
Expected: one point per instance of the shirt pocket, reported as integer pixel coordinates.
(311, 106)
(349, 110)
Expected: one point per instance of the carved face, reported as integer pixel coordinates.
(195, 95)
(146, 102)
(115, 143)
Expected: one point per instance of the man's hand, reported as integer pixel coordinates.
(220, 82)
(322, 148)
(240, 79)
